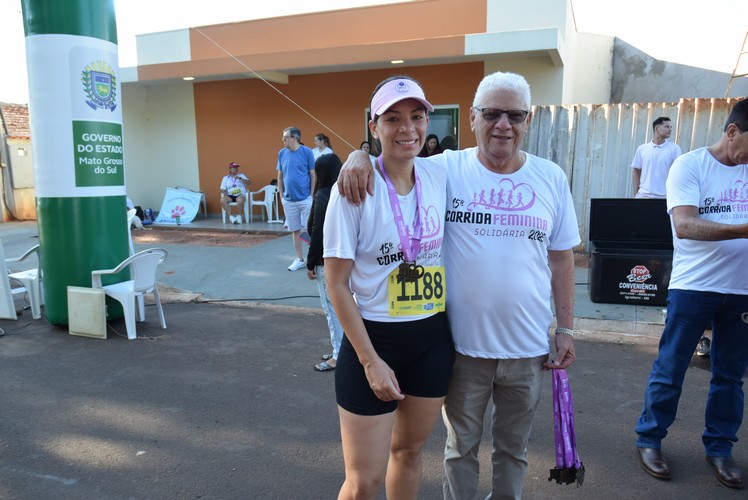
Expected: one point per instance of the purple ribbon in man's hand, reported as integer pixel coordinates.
(569, 468)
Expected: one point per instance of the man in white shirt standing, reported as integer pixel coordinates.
(650, 168)
(707, 200)
(652, 161)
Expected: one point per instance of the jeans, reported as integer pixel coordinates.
(336, 331)
(688, 313)
(515, 386)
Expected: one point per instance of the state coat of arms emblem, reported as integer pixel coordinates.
(100, 85)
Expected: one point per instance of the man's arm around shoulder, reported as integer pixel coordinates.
(356, 177)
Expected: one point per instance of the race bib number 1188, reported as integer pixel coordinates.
(425, 295)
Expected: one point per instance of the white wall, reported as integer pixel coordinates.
(589, 70)
(511, 15)
(586, 67)
(546, 81)
(160, 141)
(163, 47)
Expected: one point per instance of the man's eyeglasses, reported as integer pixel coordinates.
(494, 114)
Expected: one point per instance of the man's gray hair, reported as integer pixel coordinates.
(502, 81)
(293, 132)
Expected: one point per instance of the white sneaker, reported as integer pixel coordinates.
(704, 347)
(238, 219)
(296, 264)
(231, 219)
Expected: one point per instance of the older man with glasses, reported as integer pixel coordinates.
(295, 182)
(508, 240)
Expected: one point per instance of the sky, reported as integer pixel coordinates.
(693, 32)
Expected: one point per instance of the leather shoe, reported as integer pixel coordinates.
(653, 462)
(726, 471)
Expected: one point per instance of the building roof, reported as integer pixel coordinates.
(425, 32)
(16, 120)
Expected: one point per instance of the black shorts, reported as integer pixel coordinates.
(234, 197)
(421, 354)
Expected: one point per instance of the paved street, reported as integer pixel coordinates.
(224, 404)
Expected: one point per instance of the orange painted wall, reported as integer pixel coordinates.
(360, 26)
(416, 29)
(243, 120)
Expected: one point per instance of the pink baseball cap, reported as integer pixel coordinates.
(395, 91)
(233, 164)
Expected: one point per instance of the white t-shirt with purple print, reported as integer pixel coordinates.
(721, 194)
(368, 235)
(499, 229)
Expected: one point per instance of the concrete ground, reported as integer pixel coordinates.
(225, 404)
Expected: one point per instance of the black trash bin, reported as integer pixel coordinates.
(631, 251)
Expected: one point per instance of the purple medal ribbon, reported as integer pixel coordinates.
(410, 244)
(563, 425)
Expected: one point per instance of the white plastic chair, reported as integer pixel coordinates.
(31, 281)
(130, 214)
(143, 267)
(247, 212)
(269, 202)
(140, 299)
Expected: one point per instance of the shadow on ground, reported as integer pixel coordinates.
(225, 404)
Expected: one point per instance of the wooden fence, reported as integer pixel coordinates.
(595, 143)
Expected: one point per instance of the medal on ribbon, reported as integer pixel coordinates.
(410, 271)
(569, 469)
(410, 244)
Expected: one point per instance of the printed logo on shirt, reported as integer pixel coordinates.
(508, 198)
(430, 242)
(732, 203)
(499, 212)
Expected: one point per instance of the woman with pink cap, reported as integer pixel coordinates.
(386, 281)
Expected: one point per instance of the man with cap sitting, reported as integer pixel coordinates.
(234, 189)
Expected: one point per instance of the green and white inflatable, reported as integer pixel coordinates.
(75, 111)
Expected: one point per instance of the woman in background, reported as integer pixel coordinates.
(365, 146)
(326, 170)
(431, 147)
(321, 146)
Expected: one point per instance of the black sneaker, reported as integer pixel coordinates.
(704, 347)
